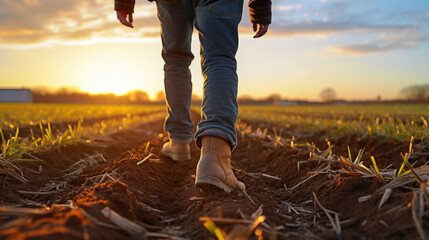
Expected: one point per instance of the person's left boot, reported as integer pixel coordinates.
(176, 151)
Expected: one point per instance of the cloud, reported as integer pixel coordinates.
(27, 23)
(350, 25)
(383, 43)
(287, 7)
(32, 22)
(326, 28)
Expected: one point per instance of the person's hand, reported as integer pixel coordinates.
(263, 28)
(126, 18)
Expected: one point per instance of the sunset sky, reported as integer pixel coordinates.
(360, 48)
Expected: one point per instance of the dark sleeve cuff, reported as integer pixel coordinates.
(125, 5)
(260, 11)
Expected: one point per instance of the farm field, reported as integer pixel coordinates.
(311, 172)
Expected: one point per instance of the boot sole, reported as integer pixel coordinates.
(177, 157)
(207, 183)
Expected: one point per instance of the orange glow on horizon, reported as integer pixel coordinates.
(112, 73)
(106, 82)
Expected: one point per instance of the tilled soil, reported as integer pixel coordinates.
(159, 194)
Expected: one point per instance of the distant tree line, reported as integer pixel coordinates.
(65, 95)
(328, 95)
(416, 93)
(70, 95)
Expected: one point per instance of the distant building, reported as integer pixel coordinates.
(16, 95)
(287, 103)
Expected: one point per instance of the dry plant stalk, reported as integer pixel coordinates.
(226, 220)
(248, 197)
(425, 191)
(385, 197)
(194, 198)
(145, 159)
(136, 231)
(298, 184)
(358, 168)
(10, 169)
(335, 223)
(37, 193)
(95, 220)
(23, 211)
(417, 211)
(242, 228)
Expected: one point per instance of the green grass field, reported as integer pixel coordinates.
(399, 122)
(14, 115)
(396, 121)
(40, 117)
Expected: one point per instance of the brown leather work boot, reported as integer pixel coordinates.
(176, 151)
(214, 167)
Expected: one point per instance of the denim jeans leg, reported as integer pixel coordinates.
(176, 18)
(217, 24)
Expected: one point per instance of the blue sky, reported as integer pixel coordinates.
(362, 49)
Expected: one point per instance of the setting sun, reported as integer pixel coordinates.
(111, 80)
(101, 71)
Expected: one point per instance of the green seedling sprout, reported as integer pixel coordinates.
(42, 132)
(329, 146)
(63, 139)
(13, 149)
(264, 134)
(359, 156)
(213, 229)
(47, 136)
(72, 133)
(15, 140)
(146, 150)
(3, 143)
(375, 165)
(49, 133)
(425, 123)
(33, 138)
(361, 117)
(350, 155)
(405, 157)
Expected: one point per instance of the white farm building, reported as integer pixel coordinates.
(16, 95)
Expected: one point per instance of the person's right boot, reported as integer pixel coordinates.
(214, 167)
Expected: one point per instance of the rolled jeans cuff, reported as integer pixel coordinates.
(216, 131)
(180, 138)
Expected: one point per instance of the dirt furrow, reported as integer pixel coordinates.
(160, 195)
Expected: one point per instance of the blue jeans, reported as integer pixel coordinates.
(217, 24)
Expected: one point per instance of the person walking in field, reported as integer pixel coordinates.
(217, 24)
